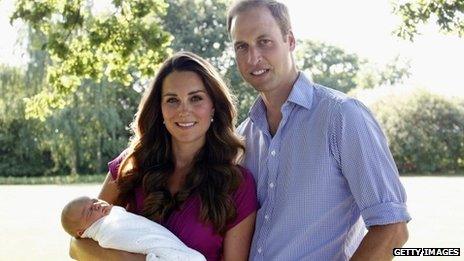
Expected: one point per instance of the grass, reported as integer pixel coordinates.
(57, 180)
(99, 178)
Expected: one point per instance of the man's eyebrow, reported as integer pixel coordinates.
(238, 43)
(263, 36)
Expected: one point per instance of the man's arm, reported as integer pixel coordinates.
(379, 242)
(88, 249)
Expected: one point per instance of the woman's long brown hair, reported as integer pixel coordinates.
(214, 175)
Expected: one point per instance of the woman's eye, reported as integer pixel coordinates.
(171, 100)
(196, 98)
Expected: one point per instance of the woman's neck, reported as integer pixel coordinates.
(183, 155)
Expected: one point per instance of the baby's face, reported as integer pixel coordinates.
(91, 210)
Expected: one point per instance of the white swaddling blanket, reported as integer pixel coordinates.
(133, 233)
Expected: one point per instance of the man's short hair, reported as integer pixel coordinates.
(278, 10)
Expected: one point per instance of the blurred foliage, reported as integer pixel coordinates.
(448, 14)
(79, 138)
(87, 69)
(425, 131)
(21, 153)
(122, 45)
(334, 67)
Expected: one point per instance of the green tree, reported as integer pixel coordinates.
(394, 72)
(332, 66)
(424, 131)
(21, 152)
(124, 45)
(449, 15)
(329, 65)
(81, 137)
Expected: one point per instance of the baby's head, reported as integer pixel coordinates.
(81, 213)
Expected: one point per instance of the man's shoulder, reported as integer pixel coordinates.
(244, 125)
(324, 93)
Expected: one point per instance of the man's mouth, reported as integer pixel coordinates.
(259, 72)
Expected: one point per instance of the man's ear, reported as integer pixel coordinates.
(291, 40)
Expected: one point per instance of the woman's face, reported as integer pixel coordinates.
(187, 108)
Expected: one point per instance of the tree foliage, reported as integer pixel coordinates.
(449, 15)
(123, 45)
(21, 153)
(424, 131)
(332, 66)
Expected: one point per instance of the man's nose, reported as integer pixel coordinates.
(254, 56)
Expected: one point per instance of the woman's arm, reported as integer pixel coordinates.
(237, 240)
(88, 249)
(109, 191)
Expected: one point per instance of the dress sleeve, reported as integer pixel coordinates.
(368, 166)
(244, 198)
(113, 165)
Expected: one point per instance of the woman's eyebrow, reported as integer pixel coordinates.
(197, 91)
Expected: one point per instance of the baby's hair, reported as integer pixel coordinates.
(68, 221)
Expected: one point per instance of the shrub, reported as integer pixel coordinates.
(425, 131)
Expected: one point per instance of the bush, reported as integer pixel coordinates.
(425, 131)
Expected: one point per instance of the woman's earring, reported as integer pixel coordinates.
(212, 119)
(164, 122)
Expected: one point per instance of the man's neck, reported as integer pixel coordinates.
(274, 101)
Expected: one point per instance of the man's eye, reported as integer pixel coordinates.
(265, 41)
(240, 47)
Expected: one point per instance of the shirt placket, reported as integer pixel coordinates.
(273, 155)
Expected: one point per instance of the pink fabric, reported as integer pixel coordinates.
(185, 222)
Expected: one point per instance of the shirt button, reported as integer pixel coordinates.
(273, 153)
(266, 217)
(260, 250)
(271, 185)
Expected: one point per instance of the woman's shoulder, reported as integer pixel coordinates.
(113, 165)
(245, 197)
(246, 175)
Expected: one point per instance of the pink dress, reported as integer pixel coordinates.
(185, 222)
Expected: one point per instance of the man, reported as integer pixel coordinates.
(320, 160)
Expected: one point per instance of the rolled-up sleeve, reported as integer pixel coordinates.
(367, 164)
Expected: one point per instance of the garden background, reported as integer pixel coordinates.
(67, 105)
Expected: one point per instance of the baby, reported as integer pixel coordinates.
(114, 227)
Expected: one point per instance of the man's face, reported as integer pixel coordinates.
(263, 54)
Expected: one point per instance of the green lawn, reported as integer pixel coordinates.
(56, 180)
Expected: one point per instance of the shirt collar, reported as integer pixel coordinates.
(302, 91)
(301, 94)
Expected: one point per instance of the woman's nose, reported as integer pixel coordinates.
(184, 110)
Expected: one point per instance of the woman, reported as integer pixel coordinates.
(180, 169)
